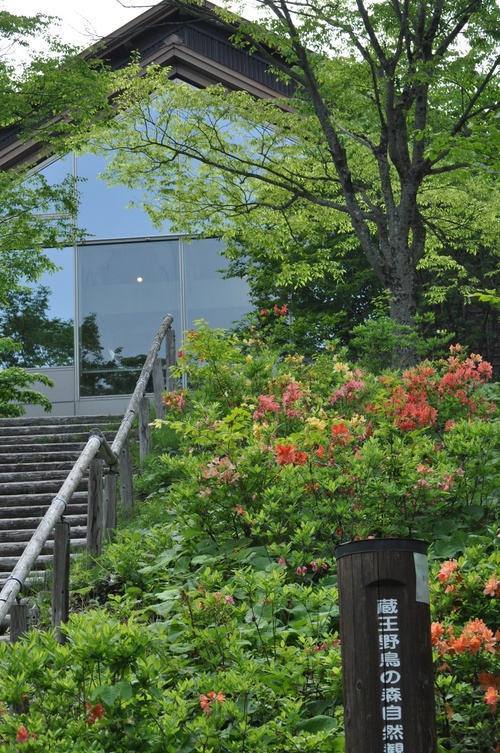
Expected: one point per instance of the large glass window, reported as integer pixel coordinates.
(104, 210)
(208, 295)
(125, 290)
(41, 318)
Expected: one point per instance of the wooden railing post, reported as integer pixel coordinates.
(60, 578)
(159, 387)
(145, 442)
(171, 358)
(95, 515)
(18, 622)
(126, 486)
(18, 628)
(110, 500)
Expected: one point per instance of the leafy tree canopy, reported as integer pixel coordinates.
(394, 116)
(55, 94)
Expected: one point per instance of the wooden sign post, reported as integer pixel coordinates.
(386, 646)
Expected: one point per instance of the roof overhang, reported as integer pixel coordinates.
(192, 42)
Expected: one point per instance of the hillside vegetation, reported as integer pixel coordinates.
(210, 625)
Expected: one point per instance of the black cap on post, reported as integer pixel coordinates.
(386, 646)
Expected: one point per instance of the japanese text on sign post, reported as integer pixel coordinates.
(390, 676)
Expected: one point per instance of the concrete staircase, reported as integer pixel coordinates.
(36, 455)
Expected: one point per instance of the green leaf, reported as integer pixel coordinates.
(318, 724)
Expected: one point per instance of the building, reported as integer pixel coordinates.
(113, 290)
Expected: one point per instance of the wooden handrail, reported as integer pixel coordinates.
(96, 445)
(140, 388)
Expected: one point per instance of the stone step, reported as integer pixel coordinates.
(96, 419)
(75, 507)
(59, 446)
(35, 500)
(7, 564)
(14, 549)
(19, 525)
(35, 579)
(25, 441)
(41, 474)
(35, 486)
(25, 534)
(58, 466)
(36, 456)
(48, 454)
(51, 429)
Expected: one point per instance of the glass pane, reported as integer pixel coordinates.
(56, 171)
(208, 295)
(103, 209)
(41, 319)
(125, 290)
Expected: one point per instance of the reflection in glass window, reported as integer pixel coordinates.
(103, 209)
(41, 318)
(208, 295)
(125, 290)
(56, 171)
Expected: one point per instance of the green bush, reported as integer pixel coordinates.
(212, 620)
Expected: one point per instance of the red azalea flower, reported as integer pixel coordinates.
(281, 310)
(94, 712)
(285, 454)
(23, 735)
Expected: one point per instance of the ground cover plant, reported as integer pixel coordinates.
(211, 623)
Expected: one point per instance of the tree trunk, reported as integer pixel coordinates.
(403, 305)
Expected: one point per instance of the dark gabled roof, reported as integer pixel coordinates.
(191, 41)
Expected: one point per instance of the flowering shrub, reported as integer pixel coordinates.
(212, 620)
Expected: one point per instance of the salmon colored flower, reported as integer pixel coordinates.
(486, 680)
(437, 632)
(447, 569)
(491, 698)
(492, 587)
(281, 310)
(23, 735)
(206, 701)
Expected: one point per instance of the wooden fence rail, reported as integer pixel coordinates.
(102, 491)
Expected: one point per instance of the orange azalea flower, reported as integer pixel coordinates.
(447, 570)
(492, 587)
(340, 433)
(23, 735)
(491, 698)
(281, 310)
(207, 700)
(437, 631)
(285, 454)
(486, 679)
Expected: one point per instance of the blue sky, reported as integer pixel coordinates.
(82, 23)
